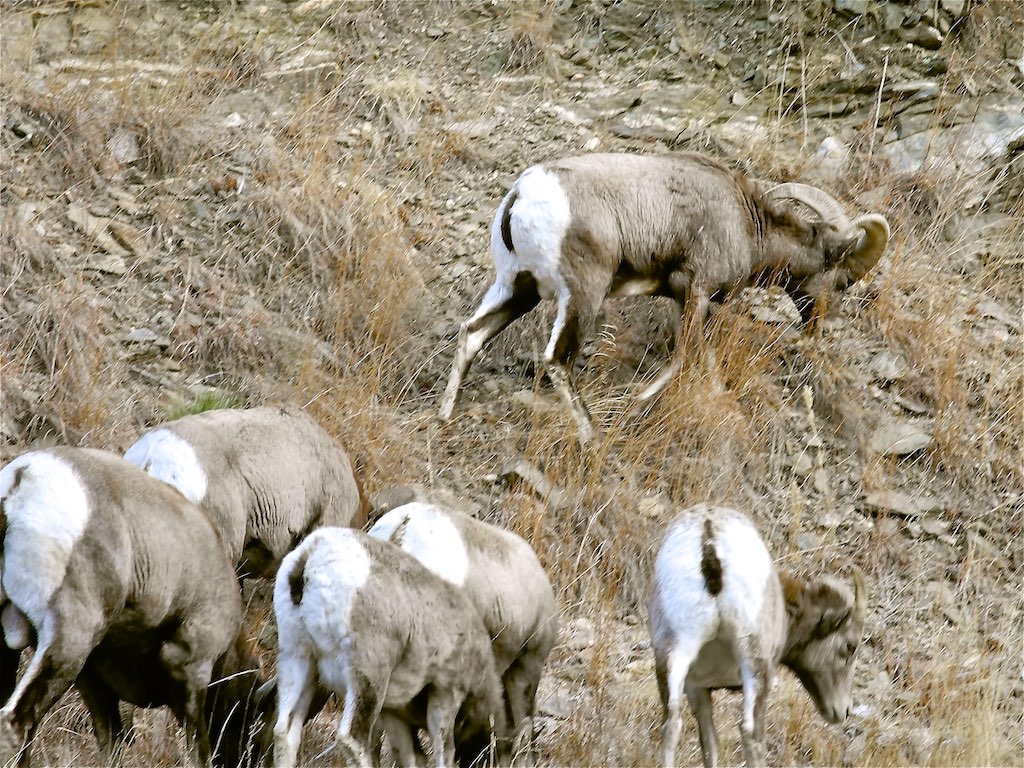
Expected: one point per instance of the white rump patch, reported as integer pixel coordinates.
(539, 220)
(337, 566)
(430, 536)
(747, 565)
(169, 457)
(46, 514)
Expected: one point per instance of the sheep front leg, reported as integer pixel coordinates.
(700, 703)
(442, 707)
(693, 311)
(102, 704)
(404, 745)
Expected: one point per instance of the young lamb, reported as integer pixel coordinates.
(502, 577)
(721, 616)
(124, 590)
(684, 226)
(402, 647)
(266, 476)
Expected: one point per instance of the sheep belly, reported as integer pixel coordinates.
(716, 665)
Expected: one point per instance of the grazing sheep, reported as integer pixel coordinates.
(402, 647)
(124, 590)
(723, 617)
(582, 228)
(502, 577)
(266, 476)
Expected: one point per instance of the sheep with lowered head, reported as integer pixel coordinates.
(722, 616)
(580, 229)
(502, 577)
(401, 647)
(267, 477)
(124, 590)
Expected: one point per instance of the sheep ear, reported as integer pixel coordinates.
(832, 620)
(835, 609)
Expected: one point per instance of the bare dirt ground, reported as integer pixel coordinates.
(236, 203)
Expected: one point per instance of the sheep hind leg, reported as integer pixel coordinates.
(183, 658)
(671, 671)
(296, 686)
(356, 730)
(577, 312)
(756, 682)
(405, 748)
(54, 666)
(520, 682)
(501, 305)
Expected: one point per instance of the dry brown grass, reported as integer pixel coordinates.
(303, 257)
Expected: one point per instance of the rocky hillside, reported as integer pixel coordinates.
(229, 203)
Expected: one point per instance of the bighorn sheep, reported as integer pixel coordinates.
(401, 646)
(123, 588)
(582, 228)
(502, 577)
(721, 616)
(266, 476)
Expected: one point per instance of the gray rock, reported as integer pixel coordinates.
(93, 29)
(852, 7)
(579, 634)
(141, 336)
(17, 38)
(899, 439)
(801, 463)
(888, 366)
(556, 704)
(656, 506)
(53, 36)
(892, 16)
(903, 504)
(924, 36)
(954, 7)
(123, 147)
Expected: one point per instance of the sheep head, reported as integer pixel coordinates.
(826, 621)
(826, 253)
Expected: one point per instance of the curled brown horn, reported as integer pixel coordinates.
(822, 203)
(872, 245)
(860, 596)
(872, 229)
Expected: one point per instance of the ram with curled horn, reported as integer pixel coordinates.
(684, 226)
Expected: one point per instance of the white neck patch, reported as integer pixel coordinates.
(47, 512)
(430, 536)
(170, 458)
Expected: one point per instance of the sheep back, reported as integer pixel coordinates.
(267, 476)
(498, 570)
